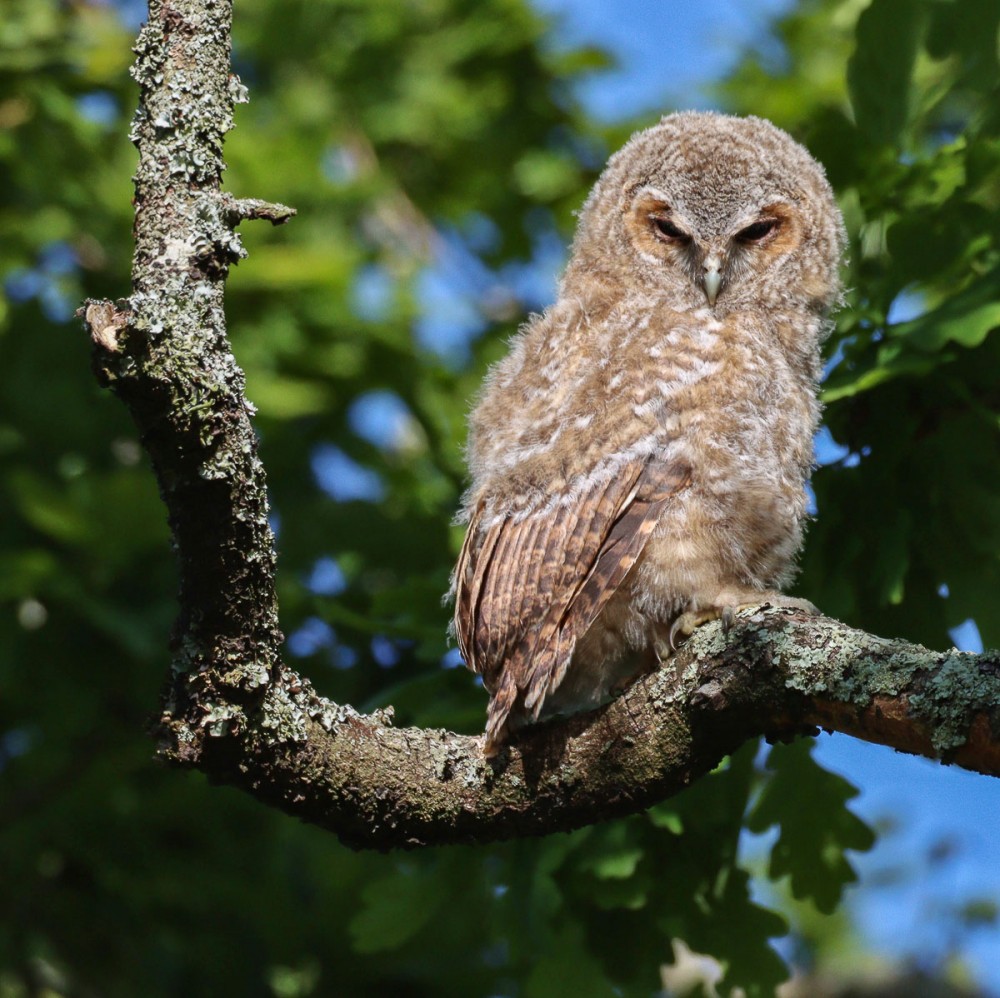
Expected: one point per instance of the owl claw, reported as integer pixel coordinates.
(684, 626)
(662, 649)
(674, 628)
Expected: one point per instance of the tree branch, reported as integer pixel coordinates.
(233, 709)
(774, 674)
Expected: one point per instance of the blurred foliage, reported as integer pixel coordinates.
(907, 540)
(435, 152)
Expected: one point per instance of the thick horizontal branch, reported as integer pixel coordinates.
(775, 674)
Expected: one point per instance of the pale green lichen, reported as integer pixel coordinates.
(254, 674)
(952, 695)
(944, 692)
(282, 718)
(223, 719)
(850, 667)
(442, 756)
(184, 735)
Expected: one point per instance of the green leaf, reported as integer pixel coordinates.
(567, 968)
(612, 853)
(894, 364)
(742, 930)
(394, 909)
(809, 805)
(969, 30)
(879, 72)
(280, 397)
(665, 816)
(545, 175)
(608, 867)
(48, 509)
(966, 318)
(26, 572)
(890, 567)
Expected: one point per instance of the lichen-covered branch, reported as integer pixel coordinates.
(234, 710)
(164, 352)
(774, 674)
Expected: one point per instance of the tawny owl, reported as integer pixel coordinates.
(639, 458)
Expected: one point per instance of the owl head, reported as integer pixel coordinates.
(704, 209)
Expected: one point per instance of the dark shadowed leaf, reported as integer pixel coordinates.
(809, 805)
(879, 72)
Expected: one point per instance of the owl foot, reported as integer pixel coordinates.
(781, 602)
(684, 626)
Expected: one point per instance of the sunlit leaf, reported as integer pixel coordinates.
(966, 318)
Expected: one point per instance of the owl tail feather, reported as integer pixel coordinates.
(501, 703)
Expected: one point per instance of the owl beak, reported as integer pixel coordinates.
(712, 279)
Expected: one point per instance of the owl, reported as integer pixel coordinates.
(639, 458)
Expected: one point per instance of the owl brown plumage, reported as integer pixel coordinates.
(639, 458)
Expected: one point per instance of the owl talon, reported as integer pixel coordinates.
(662, 649)
(775, 600)
(681, 624)
(684, 626)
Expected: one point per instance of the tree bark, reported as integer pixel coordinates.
(233, 709)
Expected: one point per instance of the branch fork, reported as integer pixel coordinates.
(233, 709)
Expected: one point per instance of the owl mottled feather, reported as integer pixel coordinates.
(639, 458)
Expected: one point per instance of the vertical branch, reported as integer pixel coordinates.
(164, 351)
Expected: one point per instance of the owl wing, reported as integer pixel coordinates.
(527, 589)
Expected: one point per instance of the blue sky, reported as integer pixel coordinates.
(939, 851)
(666, 49)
